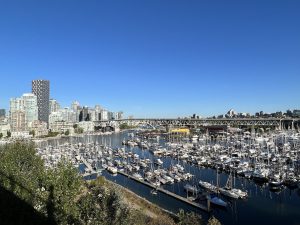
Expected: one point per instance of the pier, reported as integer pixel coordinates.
(180, 198)
(90, 168)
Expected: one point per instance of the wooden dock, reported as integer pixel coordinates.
(90, 168)
(86, 164)
(180, 198)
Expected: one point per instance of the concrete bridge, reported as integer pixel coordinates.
(280, 124)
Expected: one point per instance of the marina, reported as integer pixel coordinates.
(150, 112)
(215, 176)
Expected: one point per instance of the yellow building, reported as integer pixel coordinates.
(181, 131)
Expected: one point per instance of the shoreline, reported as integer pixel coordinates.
(144, 200)
(36, 140)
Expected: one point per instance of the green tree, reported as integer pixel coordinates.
(79, 130)
(213, 221)
(67, 132)
(8, 134)
(65, 186)
(189, 218)
(32, 132)
(1, 135)
(103, 206)
(22, 172)
(52, 134)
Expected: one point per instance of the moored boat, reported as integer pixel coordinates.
(214, 199)
(191, 189)
(112, 169)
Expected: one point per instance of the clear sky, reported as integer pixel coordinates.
(154, 58)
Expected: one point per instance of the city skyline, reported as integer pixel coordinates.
(70, 105)
(155, 59)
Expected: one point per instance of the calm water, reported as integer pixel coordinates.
(262, 207)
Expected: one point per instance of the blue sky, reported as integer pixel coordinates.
(154, 58)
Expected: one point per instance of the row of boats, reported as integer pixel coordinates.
(272, 158)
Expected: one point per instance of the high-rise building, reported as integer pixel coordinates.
(30, 107)
(41, 88)
(2, 112)
(15, 107)
(77, 109)
(27, 104)
(84, 114)
(53, 106)
(104, 114)
(75, 106)
(15, 104)
(17, 121)
(98, 109)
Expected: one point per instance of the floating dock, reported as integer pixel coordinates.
(180, 198)
(90, 168)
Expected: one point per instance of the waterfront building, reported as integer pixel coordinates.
(26, 104)
(39, 128)
(289, 113)
(61, 127)
(20, 135)
(68, 115)
(87, 126)
(75, 106)
(41, 88)
(119, 115)
(180, 131)
(84, 114)
(195, 116)
(64, 114)
(53, 117)
(4, 128)
(296, 113)
(2, 119)
(243, 115)
(231, 113)
(30, 108)
(17, 121)
(104, 114)
(53, 106)
(15, 104)
(98, 109)
(111, 115)
(93, 115)
(114, 115)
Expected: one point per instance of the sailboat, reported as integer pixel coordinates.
(214, 198)
(227, 190)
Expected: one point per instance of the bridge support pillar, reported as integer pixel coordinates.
(280, 125)
(168, 128)
(283, 125)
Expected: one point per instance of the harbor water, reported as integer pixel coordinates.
(263, 206)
